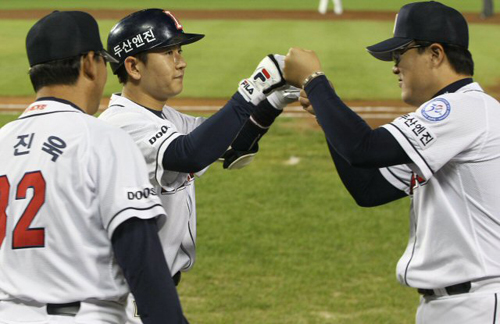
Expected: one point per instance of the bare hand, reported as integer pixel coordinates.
(299, 64)
(305, 103)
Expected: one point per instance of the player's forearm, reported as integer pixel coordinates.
(139, 253)
(256, 126)
(205, 144)
(367, 186)
(349, 134)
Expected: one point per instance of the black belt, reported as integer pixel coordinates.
(177, 278)
(69, 309)
(460, 288)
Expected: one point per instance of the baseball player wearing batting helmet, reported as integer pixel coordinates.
(77, 213)
(177, 147)
(445, 156)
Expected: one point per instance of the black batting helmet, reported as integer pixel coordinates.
(144, 30)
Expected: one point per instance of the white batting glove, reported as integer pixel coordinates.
(280, 98)
(266, 78)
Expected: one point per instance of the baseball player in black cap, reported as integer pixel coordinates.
(177, 147)
(72, 242)
(445, 156)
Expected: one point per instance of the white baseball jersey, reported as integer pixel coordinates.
(153, 136)
(454, 143)
(67, 181)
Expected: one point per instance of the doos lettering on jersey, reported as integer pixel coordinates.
(140, 194)
(163, 131)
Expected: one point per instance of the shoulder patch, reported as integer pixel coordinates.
(436, 110)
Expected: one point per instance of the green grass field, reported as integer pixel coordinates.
(394, 5)
(282, 243)
(231, 50)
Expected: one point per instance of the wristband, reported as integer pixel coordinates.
(310, 78)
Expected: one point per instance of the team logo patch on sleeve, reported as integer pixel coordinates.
(436, 110)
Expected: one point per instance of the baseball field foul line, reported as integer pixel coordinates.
(364, 112)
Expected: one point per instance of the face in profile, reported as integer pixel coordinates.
(163, 74)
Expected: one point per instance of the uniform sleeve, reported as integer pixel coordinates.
(398, 176)
(444, 129)
(207, 142)
(153, 136)
(185, 123)
(121, 182)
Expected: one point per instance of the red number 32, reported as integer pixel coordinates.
(23, 236)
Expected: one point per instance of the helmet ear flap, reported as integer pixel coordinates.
(144, 30)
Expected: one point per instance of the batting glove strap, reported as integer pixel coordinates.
(234, 160)
(265, 114)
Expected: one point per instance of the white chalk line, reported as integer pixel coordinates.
(370, 112)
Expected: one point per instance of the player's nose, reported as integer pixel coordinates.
(179, 61)
(395, 69)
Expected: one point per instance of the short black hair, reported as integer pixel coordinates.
(59, 72)
(122, 74)
(460, 58)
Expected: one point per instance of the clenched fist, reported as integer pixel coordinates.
(299, 64)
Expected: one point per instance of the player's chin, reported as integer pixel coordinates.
(410, 99)
(405, 96)
(175, 90)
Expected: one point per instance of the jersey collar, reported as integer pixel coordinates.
(116, 98)
(454, 86)
(63, 101)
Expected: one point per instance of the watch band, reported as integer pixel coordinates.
(311, 77)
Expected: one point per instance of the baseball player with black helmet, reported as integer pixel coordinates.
(178, 147)
(445, 156)
(78, 219)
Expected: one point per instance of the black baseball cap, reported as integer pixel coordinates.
(424, 21)
(64, 34)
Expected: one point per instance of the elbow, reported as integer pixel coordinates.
(366, 201)
(363, 202)
(197, 166)
(199, 161)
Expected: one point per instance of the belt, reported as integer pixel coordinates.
(69, 309)
(177, 278)
(460, 288)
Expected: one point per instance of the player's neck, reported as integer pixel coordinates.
(69, 93)
(143, 99)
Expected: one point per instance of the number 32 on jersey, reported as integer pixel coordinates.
(22, 235)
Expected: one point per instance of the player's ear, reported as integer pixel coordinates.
(89, 66)
(131, 64)
(437, 53)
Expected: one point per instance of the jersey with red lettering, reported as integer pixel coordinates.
(67, 181)
(454, 143)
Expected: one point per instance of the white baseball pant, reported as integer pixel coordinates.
(479, 306)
